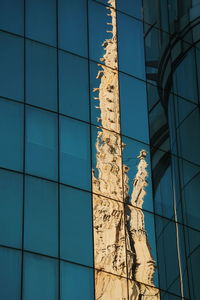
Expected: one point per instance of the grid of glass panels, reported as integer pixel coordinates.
(48, 132)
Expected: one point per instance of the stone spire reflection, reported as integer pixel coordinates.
(115, 256)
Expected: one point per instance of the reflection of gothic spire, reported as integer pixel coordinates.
(110, 185)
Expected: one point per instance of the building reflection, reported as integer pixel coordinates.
(123, 261)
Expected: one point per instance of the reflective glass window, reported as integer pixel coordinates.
(133, 103)
(10, 275)
(12, 16)
(11, 197)
(144, 248)
(41, 216)
(133, 8)
(41, 143)
(185, 78)
(12, 66)
(131, 46)
(11, 132)
(193, 266)
(191, 204)
(168, 263)
(189, 137)
(72, 25)
(73, 85)
(98, 28)
(41, 20)
(107, 163)
(74, 153)
(76, 282)
(41, 79)
(40, 278)
(76, 226)
(131, 161)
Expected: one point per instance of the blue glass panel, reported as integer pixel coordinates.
(98, 20)
(41, 143)
(131, 152)
(73, 86)
(189, 137)
(11, 196)
(10, 274)
(41, 20)
(133, 101)
(12, 16)
(72, 22)
(131, 7)
(41, 75)
(168, 262)
(41, 216)
(76, 282)
(76, 226)
(75, 153)
(131, 46)
(191, 203)
(40, 278)
(185, 78)
(12, 66)
(11, 132)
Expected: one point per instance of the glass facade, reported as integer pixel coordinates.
(99, 156)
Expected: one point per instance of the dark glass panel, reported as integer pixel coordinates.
(41, 78)
(12, 16)
(133, 103)
(72, 25)
(133, 8)
(12, 66)
(10, 274)
(41, 216)
(73, 85)
(76, 226)
(168, 261)
(40, 278)
(11, 197)
(41, 143)
(75, 153)
(98, 28)
(76, 282)
(41, 20)
(11, 132)
(131, 46)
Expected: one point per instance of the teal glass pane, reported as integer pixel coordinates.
(76, 226)
(133, 103)
(168, 262)
(72, 25)
(11, 197)
(191, 203)
(10, 274)
(75, 153)
(41, 143)
(41, 20)
(41, 216)
(189, 138)
(41, 75)
(11, 132)
(40, 278)
(130, 156)
(76, 282)
(131, 46)
(130, 7)
(12, 66)
(73, 86)
(185, 78)
(98, 20)
(12, 16)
